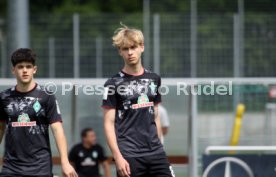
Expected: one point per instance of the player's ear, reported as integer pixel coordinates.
(13, 70)
(119, 51)
(142, 47)
(35, 69)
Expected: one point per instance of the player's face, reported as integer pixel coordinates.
(132, 54)
(24, 72)
(90, 138)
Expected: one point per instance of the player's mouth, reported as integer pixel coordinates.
(131, 58)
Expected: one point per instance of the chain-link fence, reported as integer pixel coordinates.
(65, 43)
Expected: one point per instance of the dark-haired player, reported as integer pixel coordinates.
(88, 155)
(26, 111)
(130, 107)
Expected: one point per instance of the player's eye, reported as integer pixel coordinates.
(29, 66)
(20, 66)
(133, 47)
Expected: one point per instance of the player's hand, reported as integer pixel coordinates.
(68, 170)
(122, 167)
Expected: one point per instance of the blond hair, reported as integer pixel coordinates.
(125, 37)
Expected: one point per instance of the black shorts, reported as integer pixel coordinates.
(150, 166)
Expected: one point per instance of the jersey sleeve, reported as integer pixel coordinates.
(3, 114)
(102, 156)
(109, 96)
(52, 110)
(157, 98)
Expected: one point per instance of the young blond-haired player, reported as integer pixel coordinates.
(130, 107)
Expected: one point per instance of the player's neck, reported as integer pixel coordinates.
(86, 145)
(134, 70)
(25, 87)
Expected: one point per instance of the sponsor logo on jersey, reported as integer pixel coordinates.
(88, 162)
(143, 102)
(23, 120)
(143, 99)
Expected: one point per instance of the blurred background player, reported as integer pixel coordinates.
(88, 155)
(165, 121)
(27, 110)
(130, 112)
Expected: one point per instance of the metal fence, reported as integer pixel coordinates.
(80, 45)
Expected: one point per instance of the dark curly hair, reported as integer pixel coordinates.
(23, 55)
(85, 131)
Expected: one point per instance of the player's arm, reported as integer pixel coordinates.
(165, 130)
(2, 130)
(73, 164)
(106, 168)
(157, 121)
(165, 121)
(109, 128)
(60, 139)
(3, 119)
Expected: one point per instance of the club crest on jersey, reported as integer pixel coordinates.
(23, 120)
(142, 102)
(37, 106)
(95, 154)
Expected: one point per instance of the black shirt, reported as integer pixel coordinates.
(134, 100)
(87, 161)
(27, 145)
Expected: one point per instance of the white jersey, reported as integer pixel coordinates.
(164, 118)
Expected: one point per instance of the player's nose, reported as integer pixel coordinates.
(24, 69)
(130, 51)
